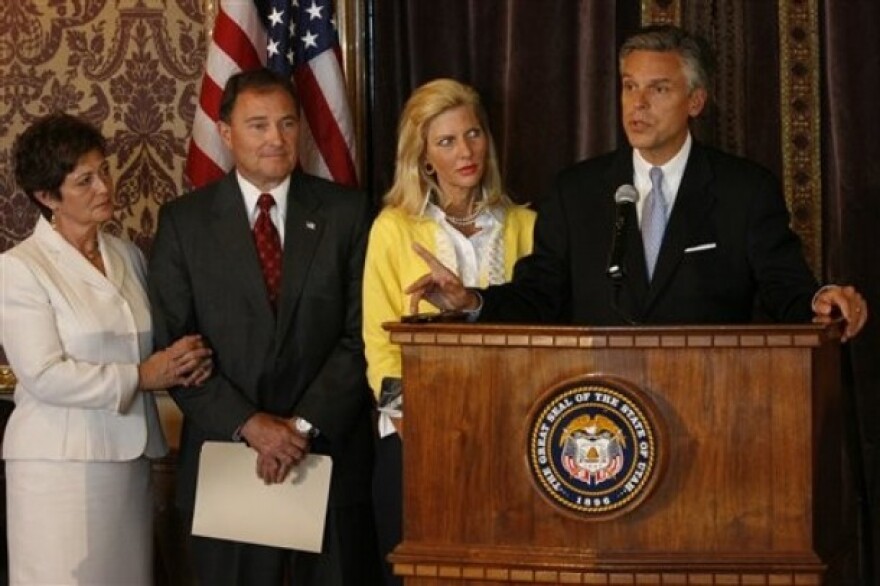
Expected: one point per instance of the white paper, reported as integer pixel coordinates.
(232, 502)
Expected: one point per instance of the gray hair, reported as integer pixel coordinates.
(694, 51)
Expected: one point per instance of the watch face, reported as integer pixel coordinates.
(304, 427)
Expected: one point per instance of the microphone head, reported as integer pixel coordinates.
(626, 194)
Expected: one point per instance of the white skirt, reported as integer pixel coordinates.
(79, 523)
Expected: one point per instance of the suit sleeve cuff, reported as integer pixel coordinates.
(130, 385)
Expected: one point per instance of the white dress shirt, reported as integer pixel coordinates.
(673, 171)
(277, 214)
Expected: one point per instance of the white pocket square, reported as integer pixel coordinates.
(701, 247)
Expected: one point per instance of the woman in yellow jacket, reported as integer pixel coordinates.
(448, 197)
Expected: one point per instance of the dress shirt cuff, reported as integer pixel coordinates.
(472, 315)
(821, 290)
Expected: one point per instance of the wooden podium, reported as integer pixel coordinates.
(750, 487)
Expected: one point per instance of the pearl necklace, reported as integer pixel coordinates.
(465, 220)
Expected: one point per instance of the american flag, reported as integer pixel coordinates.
(292, 37)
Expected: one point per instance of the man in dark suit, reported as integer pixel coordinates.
(289, 374)
(707, 238)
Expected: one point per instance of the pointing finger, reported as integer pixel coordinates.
(435, 265)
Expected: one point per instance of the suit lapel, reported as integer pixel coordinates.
(692, 205)
(235, 243)
(114, 266)
(68, 259)
(302, 231)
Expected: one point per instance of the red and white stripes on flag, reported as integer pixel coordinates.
(295, 37)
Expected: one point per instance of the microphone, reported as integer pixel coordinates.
(625, 197)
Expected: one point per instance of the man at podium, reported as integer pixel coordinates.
(664, 230)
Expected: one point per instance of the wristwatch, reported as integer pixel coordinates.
(305, 428)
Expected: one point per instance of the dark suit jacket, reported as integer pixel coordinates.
(205, 277)
(723, 200)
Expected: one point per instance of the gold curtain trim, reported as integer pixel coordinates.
(661, 12)
(799, 75)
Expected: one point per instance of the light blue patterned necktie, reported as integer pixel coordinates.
(654, 220)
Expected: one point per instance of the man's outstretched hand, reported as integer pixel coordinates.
(441, 287)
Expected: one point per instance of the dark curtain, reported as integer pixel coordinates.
(744, 118)
(743, 112)
(851, 172)
(546, 72)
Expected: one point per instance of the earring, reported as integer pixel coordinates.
(52, 221)
(428, 168)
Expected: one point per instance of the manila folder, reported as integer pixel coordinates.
(232, 502)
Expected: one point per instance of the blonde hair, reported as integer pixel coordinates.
(411, 182)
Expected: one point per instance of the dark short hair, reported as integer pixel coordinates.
(258, 80)
(699, 63)
(49, 150)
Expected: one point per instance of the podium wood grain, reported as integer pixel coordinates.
(752, 488)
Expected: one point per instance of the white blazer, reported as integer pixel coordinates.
(74, 339)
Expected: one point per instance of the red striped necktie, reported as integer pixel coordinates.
(268, 244)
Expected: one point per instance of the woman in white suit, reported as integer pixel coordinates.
(75, 325)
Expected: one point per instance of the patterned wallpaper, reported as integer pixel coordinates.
(132, 67)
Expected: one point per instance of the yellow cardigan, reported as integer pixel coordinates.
(392, 265)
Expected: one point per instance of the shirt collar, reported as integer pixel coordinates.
(673, 171)
(251, 194)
